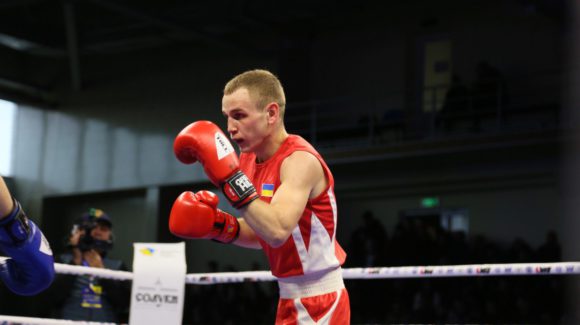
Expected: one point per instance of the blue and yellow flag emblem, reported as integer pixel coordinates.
(147, 251)
(268, 190)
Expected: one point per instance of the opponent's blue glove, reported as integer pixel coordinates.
(31, 266)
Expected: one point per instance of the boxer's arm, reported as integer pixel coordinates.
(302, 177)
(6, 203)
(30, 268)
(247, 237)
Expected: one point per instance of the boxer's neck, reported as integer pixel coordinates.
(270, 145)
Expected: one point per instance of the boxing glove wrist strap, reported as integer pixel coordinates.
(239, 190)
(14, 228)
(229, 228)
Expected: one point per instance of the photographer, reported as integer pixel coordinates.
(87, 297)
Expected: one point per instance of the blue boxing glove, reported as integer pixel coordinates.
(30, 268)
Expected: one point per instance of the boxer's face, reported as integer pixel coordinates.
(247, 123)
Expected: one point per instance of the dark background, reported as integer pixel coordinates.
(103, 86)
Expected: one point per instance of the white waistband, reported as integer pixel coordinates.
(311, 284)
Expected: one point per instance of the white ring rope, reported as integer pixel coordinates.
(97, 272)
(44, 321)
(560, 268)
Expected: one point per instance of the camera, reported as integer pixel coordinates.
(87, 223)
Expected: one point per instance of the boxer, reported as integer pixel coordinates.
(291, 215)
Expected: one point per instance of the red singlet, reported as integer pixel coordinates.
(308, 264)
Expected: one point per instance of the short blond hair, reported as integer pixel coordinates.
(263, 86)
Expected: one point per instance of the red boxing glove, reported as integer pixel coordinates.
(204, 141)
(197, 216)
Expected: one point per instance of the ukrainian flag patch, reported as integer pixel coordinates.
(268, 190)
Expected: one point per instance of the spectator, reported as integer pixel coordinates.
(550, 250)
(368, 242)
(489, 87)
(520, 251)
(87, 297)
(457, 300)
(489, 92)
(457, 103)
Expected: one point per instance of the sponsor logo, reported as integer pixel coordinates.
(205, 279)
(243, 183)
(543, 269)
(44, 246)
(156, 299)
(426, 271)
(147, 251)
(483, 270)
(222, 145)
(240, 185)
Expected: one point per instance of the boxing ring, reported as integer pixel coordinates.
(373, 273)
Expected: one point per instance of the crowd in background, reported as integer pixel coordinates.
(516, 299)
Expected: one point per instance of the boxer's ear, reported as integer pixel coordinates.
(272, 112)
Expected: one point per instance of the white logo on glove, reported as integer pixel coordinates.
(222, 145)
(45, 246)
(243, 183)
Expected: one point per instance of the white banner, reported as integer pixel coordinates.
(158, 284)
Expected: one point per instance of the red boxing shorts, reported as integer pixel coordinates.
(302, 303)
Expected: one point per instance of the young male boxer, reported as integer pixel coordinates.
(292, 215)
